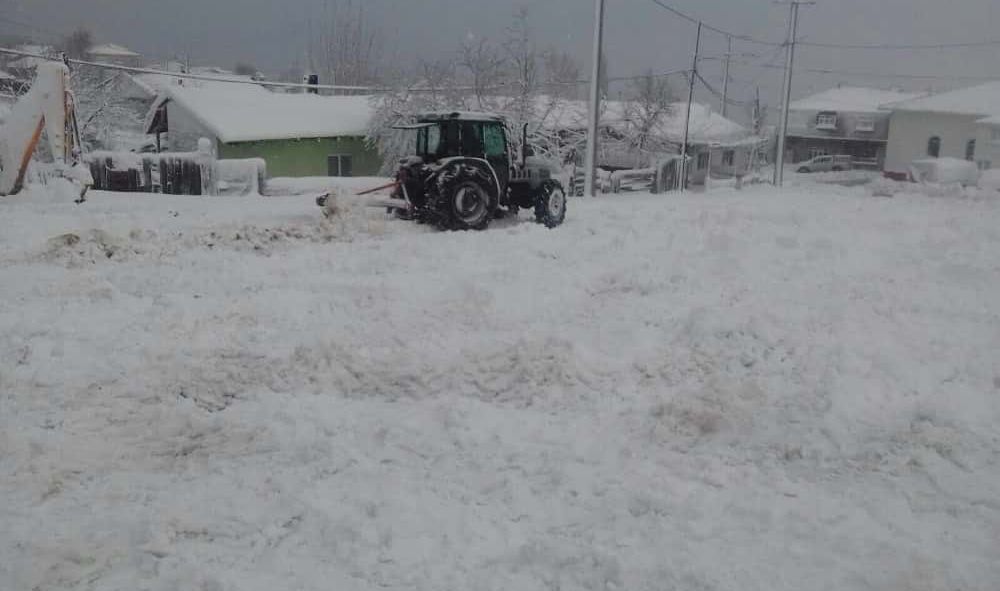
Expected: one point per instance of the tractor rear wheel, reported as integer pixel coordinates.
(550, 204)
(465, 201)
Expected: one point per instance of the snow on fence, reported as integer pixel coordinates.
(176, 173)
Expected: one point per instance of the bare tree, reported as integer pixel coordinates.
(650, 101)
(484, 64)
(524, 66)
(348, 48)
(78, 43)
(562, 74)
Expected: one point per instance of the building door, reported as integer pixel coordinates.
(339, 165)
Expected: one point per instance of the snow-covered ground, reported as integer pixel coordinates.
(731, 391)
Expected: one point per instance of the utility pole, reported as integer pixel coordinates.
(687, 120)
(590, 183)
(725, 81)
(757, 123)
(793, 28)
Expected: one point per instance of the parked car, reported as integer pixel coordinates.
(826, 164)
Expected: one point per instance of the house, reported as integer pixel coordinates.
(957, 124)
(714, 142)
(109, 53)
(846, 120)
(296, 134)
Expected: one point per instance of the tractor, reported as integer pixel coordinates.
(465, 173)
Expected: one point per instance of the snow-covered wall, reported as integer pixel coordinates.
(185, 129)
(910, 131)
(988, 146)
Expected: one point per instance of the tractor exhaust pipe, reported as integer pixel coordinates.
(524, 146)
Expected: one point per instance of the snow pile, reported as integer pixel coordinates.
(885, 187)
(726, 391)
(945, 171)
(990, 180)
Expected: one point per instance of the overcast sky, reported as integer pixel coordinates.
(271, 33)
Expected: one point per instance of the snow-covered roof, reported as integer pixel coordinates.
(243, 112)
(707, 126)
(852, 99)
(995, 120)
(6, 76)
(459, 115)
(158, 84)
(982, 101)
(110, 49)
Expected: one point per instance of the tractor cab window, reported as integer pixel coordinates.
(494, 139)
(472, 142)
(450, 135)
(429, 140)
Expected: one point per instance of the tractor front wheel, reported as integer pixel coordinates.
(550, 204)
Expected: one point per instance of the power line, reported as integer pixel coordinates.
(875, 74)
(186, 76)
(831, 45)
(891, 47)
(696, 21)
(712, 90)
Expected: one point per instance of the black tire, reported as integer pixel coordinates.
(550, 204)
(464, 199)
(803, 170)
(838, 169)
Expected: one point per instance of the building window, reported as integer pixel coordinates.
(934, 147)
(970, 150)
(984, 164)
(995, 134)
(865, 124)
(339, 165)
(826, 121)
(703, 161)
(728, 157)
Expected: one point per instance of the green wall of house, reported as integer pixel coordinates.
(306, 157)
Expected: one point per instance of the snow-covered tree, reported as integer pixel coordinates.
(649, 101)
(511, 78)
(77, 43)
(104, 111)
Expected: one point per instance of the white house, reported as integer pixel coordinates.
(846, 120)
(957, 124)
